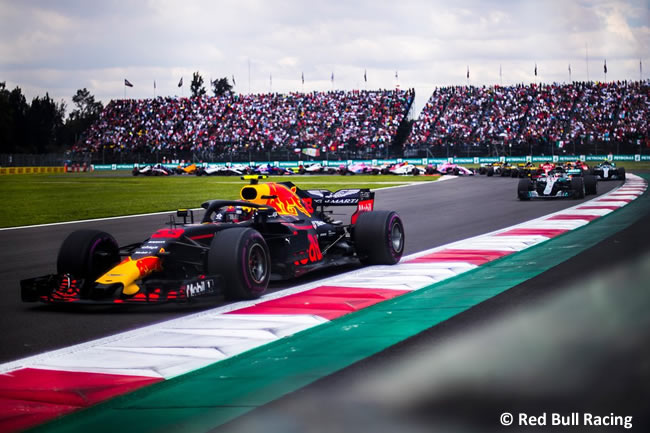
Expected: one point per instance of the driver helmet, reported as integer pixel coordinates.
(233, 214)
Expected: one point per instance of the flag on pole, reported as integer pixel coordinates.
(127, 83)
(154, 84)
(303, 78)
(535, 68)
(569, 68)
(365, 75)
(605, 66)
(468, 72)
(640, 69)
(396, 76)
(332, 77)
(234, 83)
(180, 83)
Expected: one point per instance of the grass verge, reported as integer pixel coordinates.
(47, 198)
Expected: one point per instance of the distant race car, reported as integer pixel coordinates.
(276, 230)
(271, 170)
(401, 169)
(577, 165)
(547, 166)
(455, 169)
(223, 170)
(316, 168)
(152, 170)
(608, 170)
(496, 169)
(525, 170)
(186, 169)
(557, 183)
(358, 168)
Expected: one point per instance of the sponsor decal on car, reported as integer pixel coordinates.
(199, 287)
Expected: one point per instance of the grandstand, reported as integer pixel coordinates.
(243, 127)
(578, 118)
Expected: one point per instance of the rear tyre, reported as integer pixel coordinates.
(621, 173)
(490, 172)
(591, 184)
(87, 254)
(525, 185)
(240, 255)
(415, 172)
(379, 237)
(578, 187)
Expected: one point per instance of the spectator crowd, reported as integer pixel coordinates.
(533, 118)
(327, 121)
(519, 119)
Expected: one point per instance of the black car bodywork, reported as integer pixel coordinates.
(276, 230)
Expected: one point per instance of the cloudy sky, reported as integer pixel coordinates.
(59, 46)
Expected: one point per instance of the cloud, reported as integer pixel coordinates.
(65, 45)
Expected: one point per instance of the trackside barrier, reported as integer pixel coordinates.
(415, 161)
(30, 170)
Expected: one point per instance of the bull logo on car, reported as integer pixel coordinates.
(281, 198)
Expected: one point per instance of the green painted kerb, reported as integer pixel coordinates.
(209, 397)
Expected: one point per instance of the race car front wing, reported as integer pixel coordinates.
(66, 289)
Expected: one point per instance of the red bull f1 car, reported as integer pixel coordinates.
(276, 230)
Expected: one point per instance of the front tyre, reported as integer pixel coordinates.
(240, 255)
(578, 187)
(525, 185)
(591, 184)
(87, 254)
(379, 238)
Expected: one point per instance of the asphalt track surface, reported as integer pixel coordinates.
(434, 214)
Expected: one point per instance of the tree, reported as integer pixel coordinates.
(29, 128)
(13, 120)
(86, 113)
(45, 118)
(87, 107)
(221, 87)
(197, 85)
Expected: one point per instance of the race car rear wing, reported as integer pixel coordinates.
(364, 199)
(342, 197)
